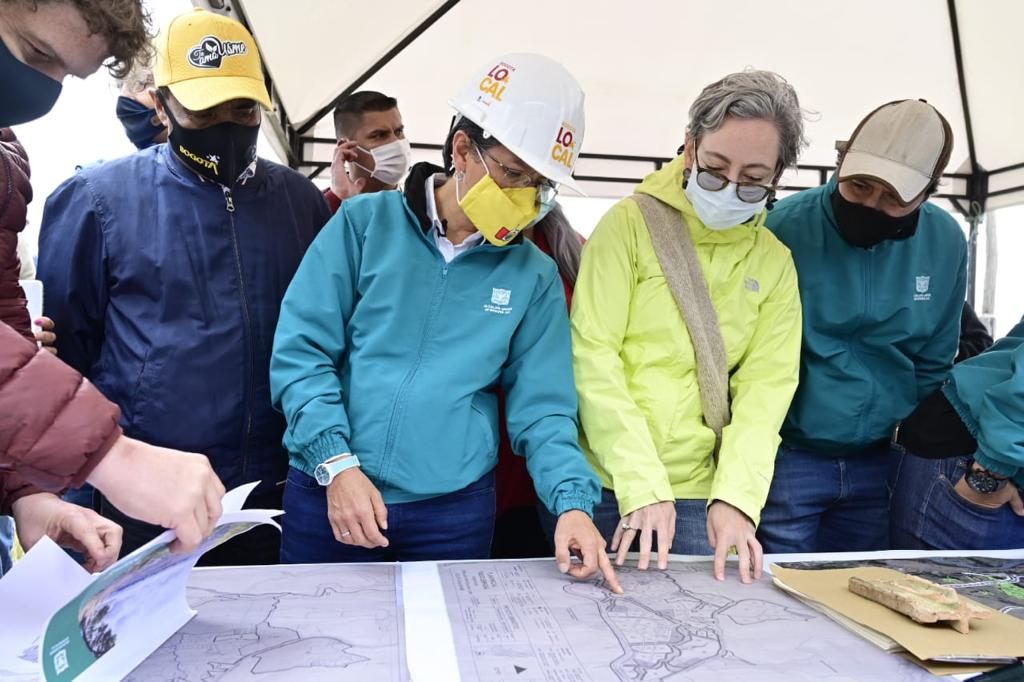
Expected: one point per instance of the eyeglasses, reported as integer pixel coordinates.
(521, 179)
(747, 192)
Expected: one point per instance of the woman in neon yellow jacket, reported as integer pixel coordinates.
(643, 421)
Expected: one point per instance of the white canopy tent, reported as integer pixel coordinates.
(642, 63)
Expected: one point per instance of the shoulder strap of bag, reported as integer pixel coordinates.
(678, 258)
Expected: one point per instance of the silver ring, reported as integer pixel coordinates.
(348, 532)
(626, 526)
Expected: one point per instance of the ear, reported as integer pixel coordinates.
(460, 151)
(161, 111)
(688, 150)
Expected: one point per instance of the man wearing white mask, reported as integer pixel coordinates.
(372, 152)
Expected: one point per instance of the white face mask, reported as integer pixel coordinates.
(720, 210)
(390, 161)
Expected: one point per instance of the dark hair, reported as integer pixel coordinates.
(349, 112)
(475, 133)
(124, 24)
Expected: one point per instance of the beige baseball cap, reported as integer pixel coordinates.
(206, 59)
(903, 144)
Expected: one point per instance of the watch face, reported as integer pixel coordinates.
(323, 477)
(983, 482)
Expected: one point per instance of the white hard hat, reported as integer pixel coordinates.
(533, 107)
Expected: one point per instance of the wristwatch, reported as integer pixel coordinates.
(325, 472)
(982, 481)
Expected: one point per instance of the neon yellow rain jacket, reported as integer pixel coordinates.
(643, 426)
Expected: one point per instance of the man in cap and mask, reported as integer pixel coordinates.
(165, 269)
(882, 279)
(56, 428)
(372, 153)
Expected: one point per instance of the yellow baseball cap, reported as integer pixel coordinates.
(207, 59)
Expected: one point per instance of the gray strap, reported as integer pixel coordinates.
(678, 258)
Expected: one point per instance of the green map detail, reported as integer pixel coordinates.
(1014, 591)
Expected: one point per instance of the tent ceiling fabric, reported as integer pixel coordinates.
(641, 65)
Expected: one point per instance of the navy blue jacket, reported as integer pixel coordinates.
(168, 300)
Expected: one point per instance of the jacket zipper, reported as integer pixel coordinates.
(229, 202)
(387, 459)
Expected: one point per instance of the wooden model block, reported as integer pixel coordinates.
(922, 600)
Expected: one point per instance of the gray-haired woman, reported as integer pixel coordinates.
(675, 469)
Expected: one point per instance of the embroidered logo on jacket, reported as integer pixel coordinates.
(500, 299)
(921, 284)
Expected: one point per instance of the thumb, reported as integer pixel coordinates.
(360, 183)
(712, 538)
(562, 553)
(1016, 504)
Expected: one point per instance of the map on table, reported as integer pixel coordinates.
(996, 583)
(524, 621)
(293, 622)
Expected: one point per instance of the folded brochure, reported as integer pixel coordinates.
(101, 627)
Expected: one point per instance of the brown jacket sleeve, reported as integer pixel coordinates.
(15, 193)
(55, 426)
(12, 488)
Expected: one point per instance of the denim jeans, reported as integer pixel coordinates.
(459, 525)
(928, 513)
(819, 503)
(6, 543)
(691, 533)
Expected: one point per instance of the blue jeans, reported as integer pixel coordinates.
(927, 513)
(819, 503)
(691, 535)
(455, 526)
(6, 543)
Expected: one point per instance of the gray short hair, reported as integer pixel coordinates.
(752, 94)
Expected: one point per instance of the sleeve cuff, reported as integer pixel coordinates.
(326, 445)
(995, 466)
(629, 503)
(575, 501)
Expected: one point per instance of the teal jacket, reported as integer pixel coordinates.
(987, 391)
(881, 325)
(386, 351)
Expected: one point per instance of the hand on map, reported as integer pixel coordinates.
(69, 525)
(728, 527)
(356, 510)
(173, 489)
(342, 184)
(577, 534)
(1008, 495)
(659, 518)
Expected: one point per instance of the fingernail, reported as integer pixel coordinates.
(564, 568)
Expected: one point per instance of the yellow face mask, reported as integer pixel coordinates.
(499, 214)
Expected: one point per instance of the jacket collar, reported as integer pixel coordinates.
(416, 199)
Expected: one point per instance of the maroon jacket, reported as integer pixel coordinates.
(54, 425)
(15, 193)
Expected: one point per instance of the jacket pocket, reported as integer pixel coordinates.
(482, 428)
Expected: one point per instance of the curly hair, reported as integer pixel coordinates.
(124, 24)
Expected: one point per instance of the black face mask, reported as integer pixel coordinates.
(27, 93)
(866, 227)
(221, 152)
